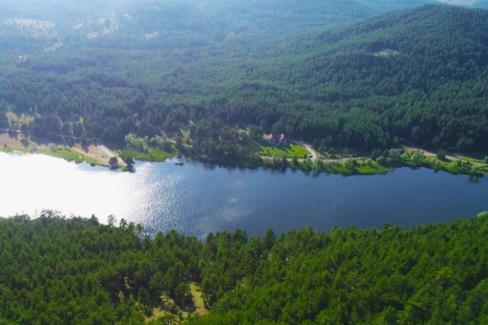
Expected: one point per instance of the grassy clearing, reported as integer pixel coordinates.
(197, 296)
(149, 154)
(292, 151)
(157, 314)
(174, 315)
(67, 154)
(58, 152)
(354, 167)
(8, 149)
(456, 165)
(146, 149)
(342, 167)
(93, 155)
(370, 167)
(63, 153)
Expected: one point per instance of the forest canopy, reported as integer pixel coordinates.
(70, 271)
(415, 77)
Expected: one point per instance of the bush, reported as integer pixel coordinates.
(382, 160)
(395, 155)
(350, 164)
(441, 155)
(114, 163)
(375, 154)
(418, 158)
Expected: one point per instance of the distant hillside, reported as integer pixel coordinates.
(482, 4)
(438, 42)
(414, 77)
(183, 23)
(188, 23)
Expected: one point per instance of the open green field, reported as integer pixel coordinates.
(67, 154)
(344, 167)
(459, 165)
(292, 151)
(149, 154)
(353, 167)
(58, 152)
(370, 167)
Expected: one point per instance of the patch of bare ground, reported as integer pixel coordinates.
(11, 142)
(100, 153)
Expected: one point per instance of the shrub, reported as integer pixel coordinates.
(382, 160)
(395, 155)
(375, 154)
(418, 157)
(441, 155)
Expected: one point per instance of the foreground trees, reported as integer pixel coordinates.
(58, 271)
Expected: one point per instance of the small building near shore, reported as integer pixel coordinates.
(276, 140)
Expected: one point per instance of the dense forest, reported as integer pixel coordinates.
(77, 271)
(413, 77)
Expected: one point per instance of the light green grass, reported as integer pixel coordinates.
(292, 151)
(159, 154)
(9, 150)
(371, 168)
(149, 154)
(58, 152)
(198, 301)
(62, 153)
(454, 166)
(67, 154)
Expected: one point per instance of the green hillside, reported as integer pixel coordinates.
(57, 271)
(415, 77)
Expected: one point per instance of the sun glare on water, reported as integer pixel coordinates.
(33, 183)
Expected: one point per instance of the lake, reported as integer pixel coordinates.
(197, 199)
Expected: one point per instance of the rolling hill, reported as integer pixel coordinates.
(416, 76)
(184, 23)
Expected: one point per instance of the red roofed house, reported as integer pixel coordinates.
(276, 140)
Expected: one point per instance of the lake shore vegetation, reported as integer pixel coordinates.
(250, 151)
(373, 85)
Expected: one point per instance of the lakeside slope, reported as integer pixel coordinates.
(98, 155)
(58, 271)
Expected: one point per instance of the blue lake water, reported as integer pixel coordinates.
(196, 199)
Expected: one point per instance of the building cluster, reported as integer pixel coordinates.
(276, 140)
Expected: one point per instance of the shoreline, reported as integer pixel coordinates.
(100, 155)
(95, 155)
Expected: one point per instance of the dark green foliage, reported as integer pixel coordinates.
(413, 77)
(405, 77)
(431, 274)
(441, 155)
(114, 163)
(58, 271)
(55, 271)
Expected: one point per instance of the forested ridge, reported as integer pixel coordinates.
(65, 271)
(411, 77)
(415, 77)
